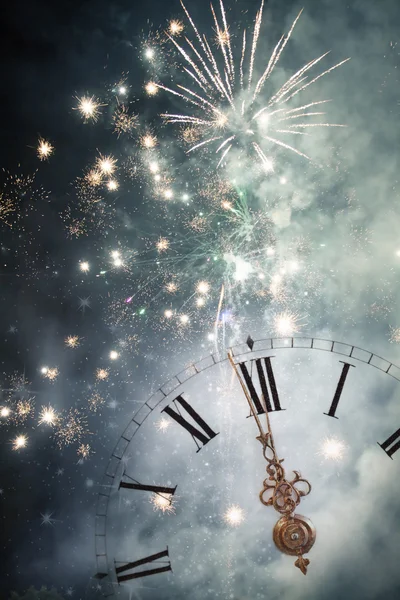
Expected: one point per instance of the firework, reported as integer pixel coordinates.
(151, 88)
(175, 27)
(229, 109)
(162, 244)
(112, 185)
(95, 402)
(163, 502)
(72, 341)
(48, 416)
(203, 287)
(5, 412)
(124, 122)
(106, 164)
(148, 141)
(70, 428)
(394, 335)
(50, 373)
(89, 107)
(84, 451)
(234, 516)
(102, 374)
(286, 323)
(332, 449)
(44, 149)
(23, 410)
(84, 266)
(20, 441)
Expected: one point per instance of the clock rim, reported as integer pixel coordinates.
(196, 368)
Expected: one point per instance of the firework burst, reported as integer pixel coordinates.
(228, 99)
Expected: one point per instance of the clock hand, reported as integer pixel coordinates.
(293, 534)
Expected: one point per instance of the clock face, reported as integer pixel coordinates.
(179, 514)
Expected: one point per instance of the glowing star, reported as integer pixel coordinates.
(168, 313)
(200, 302)
(112, 185)
(184, 319)
(4, 412)
(203, 287)
(114, 355)
(151, 88)
(44, 149)
(163, 424)
(72, 341)
(47, 416)
(154, 168)
(47, 518)
(234, 515)
(19, 442)
(106, 164)
(332, 449)
(44, 370)
(162, 244)
(286, 323)
(168, 194)
(175, 27)
(102, 374)
(163, 502)
(89, 106)
(84, 266)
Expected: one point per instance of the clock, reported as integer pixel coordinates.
(268, 471)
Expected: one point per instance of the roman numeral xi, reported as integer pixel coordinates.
(204, 435)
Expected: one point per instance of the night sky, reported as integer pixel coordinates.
(316, 241)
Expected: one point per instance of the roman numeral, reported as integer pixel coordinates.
(389, 441)
(267, 395)
(157, 489)
(339, 389)
(196, 433)
(137, 563)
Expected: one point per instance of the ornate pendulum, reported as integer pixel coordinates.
(293, 534)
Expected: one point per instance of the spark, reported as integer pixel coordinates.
(168, 313)
(163, 424)
(234, 515)
(50, 373)
(175, 27)
(84, 303)
(148, 141)
(44, 149)
(102, 374)
(203, 287)
(228, 105)
(171, 287)
(94, 177)
(112, 185)
(286, 323)
(48, 416)
(162, 244)
(89, 107)
(72, 341)
(332, 449)
(20, 441)
(163, 502)
(151, 88)
(184, 319)
(106, 164)
(168, 194)
(23, 410)
(84, 266)
(4, 412)
(84, 451)
(394, 335)
(149, 53)
(114, 355)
